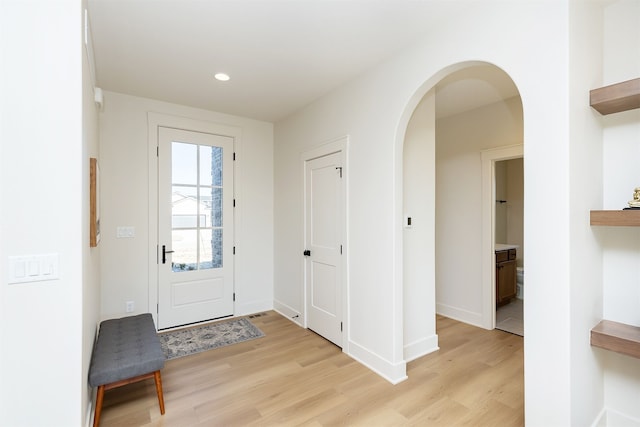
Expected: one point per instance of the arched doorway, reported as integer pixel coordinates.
(458, 113)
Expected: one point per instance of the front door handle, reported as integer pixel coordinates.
(164, 254)
(306, 252)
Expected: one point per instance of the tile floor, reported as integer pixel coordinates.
(510, 318)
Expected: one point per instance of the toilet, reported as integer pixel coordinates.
(520, 282)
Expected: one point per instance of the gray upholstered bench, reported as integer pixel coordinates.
(127, 350)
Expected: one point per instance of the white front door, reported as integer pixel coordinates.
(323, 243)
(195, 227)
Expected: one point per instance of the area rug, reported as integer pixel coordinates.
(184, 342)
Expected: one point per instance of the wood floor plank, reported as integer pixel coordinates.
(292, 376)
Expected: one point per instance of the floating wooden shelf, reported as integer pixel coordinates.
(618, 337)
(616, 98)
(621, 218)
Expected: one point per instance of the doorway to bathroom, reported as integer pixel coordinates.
(509, 245)
(502, 234)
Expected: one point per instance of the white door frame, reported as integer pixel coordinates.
(339, 145)
(154, 121)
(489, 159)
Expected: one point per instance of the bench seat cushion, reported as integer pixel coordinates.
(126, 348)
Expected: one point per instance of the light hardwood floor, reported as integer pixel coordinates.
(294, 377)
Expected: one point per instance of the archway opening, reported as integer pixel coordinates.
(448, 266)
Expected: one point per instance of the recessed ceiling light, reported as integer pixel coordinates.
(222, 77)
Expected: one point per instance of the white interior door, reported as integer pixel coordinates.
(195, 227)
(323, 243)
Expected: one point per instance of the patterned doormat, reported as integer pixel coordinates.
(184, 342)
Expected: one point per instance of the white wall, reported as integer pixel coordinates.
(621, 246)
(509, 216)
(125, 192)
(418, 244)
(509, 186)
(374, 110)
(515, 206)
(500, 173)
(43, 190)
(90, 256)
(585, 169)
(459, 142)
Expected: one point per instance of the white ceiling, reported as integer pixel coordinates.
(281, 54)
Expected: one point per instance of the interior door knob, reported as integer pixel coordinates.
(306, 252)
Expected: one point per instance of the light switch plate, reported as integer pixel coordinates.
(125, 232)
(33, 268)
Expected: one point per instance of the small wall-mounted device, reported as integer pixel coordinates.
(123, 232)
(408, 221)
(98, 97)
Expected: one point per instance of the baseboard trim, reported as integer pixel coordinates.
(421, 347)
(601, 419)
(393, 372)
(88, 422)
(253, 307)
(288, 312)
(610, 417)
(459, 314)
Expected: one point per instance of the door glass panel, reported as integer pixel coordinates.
(211, 166)
(184, 158)
(205, 207)
(196, 207)
(185, 255)
(206, 258)
(184, 207)
(216, 207)
(216, 246)
(211, 252)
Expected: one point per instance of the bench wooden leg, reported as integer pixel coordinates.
(156, 376)
(99, 399)
(102, 388)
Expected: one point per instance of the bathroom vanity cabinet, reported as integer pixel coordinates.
(506, 276)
